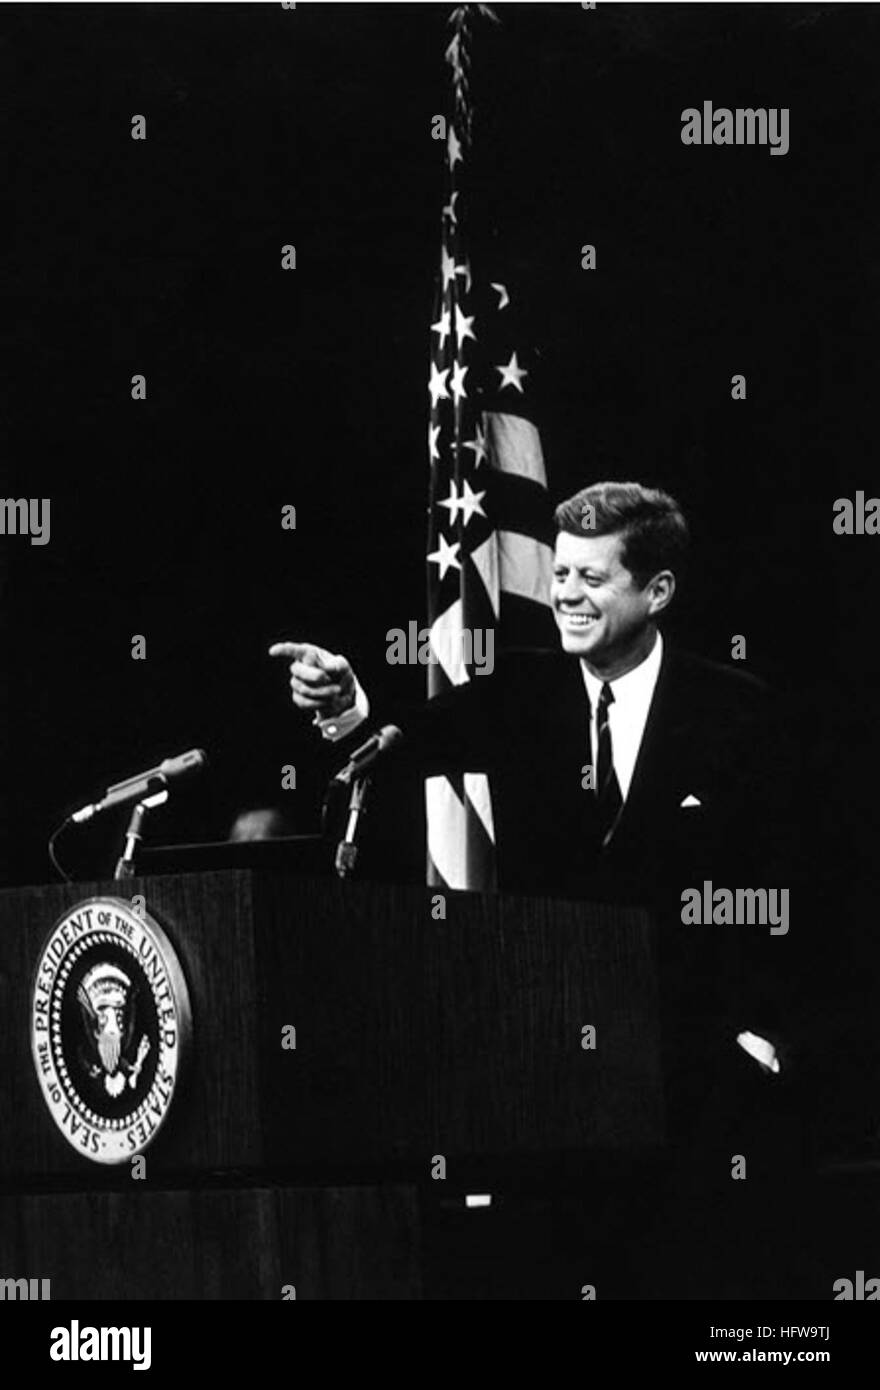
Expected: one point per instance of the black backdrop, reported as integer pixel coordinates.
(267, 126)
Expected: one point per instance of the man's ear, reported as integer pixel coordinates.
(661, 591)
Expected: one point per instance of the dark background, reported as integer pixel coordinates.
(312, 127)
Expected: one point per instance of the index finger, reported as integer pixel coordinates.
(300, 651)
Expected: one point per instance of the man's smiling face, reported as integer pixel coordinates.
(602, 614)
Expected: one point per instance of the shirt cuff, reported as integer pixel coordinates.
(340, 725)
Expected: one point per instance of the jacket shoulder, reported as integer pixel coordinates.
(716, 683)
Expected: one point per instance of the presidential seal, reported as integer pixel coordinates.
(110, 1023)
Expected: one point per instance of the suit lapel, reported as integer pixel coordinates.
(659, 761)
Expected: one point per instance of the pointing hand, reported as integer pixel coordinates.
(318, 679)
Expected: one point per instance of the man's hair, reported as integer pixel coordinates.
(651, 523)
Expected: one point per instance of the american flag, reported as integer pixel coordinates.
(488, 558)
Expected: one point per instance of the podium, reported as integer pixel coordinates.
(354, 1047)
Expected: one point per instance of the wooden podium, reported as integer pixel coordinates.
(303, 1167)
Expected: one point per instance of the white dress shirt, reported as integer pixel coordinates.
(628, 715)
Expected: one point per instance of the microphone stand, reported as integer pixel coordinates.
(125, 863)
(347, 849)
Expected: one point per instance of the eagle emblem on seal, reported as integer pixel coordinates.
(108, 1001)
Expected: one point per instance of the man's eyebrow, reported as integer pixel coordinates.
(597, 570)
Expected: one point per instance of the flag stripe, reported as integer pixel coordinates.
(525, 566)
(515, 447)
(458, 860)
(521, 505)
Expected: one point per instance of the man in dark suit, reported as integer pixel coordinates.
(619, 766)
(622, 768)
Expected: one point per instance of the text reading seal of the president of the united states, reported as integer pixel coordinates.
(110, 1025)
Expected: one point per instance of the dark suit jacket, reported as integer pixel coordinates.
(710, 737)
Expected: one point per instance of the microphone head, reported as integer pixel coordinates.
(389, 734)
(365, 756)
(192, 761)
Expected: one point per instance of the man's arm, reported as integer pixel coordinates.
(454, 730)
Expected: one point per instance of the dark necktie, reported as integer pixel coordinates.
(607, 786)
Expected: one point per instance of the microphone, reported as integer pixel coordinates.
(144, 784)
(363, 758)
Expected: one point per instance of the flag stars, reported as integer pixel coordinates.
(449, 210)
(463, 327)
(446, 556)
(469, 503)
(448, 267)
(452, 502)
(443, 326)
(512, 374)
(433, 436)
(437, 384)
(479, 447)
(458, 375)
(503, 296)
